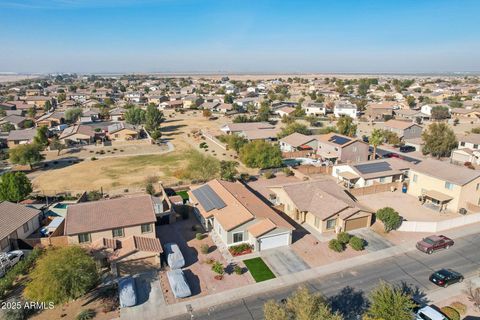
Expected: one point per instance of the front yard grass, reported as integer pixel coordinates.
(258, 269)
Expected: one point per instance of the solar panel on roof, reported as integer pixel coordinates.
(339, 140)
(373, 167)
(208, 198)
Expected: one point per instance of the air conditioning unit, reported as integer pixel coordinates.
(462, 211)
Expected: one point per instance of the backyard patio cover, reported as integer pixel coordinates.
(441, 197)
(348, 175)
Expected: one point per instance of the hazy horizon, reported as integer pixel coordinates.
(262, 37)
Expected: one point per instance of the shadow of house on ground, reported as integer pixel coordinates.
(349, 302)
(193, 282)
(143, 285)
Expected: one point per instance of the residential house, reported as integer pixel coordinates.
(382, 110)
(172, 104)
(157, 99)
(236, 215)
(404, 129)
(78, 134)
(298, 142)
(338, 148)
(117, 114)
(17, 222)
(427, 108)
(122, 131)
(369, 173)
(51, 119)
(38, 101)
(345, 108)
(412, 115)
(466, 114)
(315, 109)
(224, 107)
(136, 97)
(284, 111)
(322, 205)
(468, 149)
(15, 120)
(444, 186)
(17, 137)
(247, 126)
(245, 102)
(122, 228)
(192, 101)
(210, 106)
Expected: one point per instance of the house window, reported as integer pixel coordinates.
(354, 149)
(462, 144)
(146, 228)
(448, 185)
(238, 237)
(475, 146)
(331, 223)
(4, 243)
(84, 238)
(26, 227)
(382, 180)
(415, 178)
(317, 222)
(117, 233)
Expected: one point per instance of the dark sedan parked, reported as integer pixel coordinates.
(445, 277)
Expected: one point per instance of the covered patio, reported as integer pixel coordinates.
(348, 178)
(435, 200)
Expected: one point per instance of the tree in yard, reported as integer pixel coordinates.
(261, 154)
(294, 127)
(234, 141)
(135, 116)
(376, 138)
(7, 127)
(440, 113)
(153, 118)
(73, 114)
(439, 140)
(390, 302)
(61, 97)
(31, 112)
(25, 154)
(411, 101)
(61, 275)
(207, 113)
(263, 112)
(228, 170)
(391, 137)
(28, 123)
(301, 305)
(14, 186)
(41, 138)
(57, 145)
(47, 106)
(150, 189)
(228, 98)
(390, 218)
(346, 126)
(201, 167)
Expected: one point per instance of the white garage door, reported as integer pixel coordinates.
(278, 240)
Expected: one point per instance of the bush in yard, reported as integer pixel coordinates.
(199, 236)
(390, 218)
(460, 307)
(288, 172)
(336, 245)
(343, 237)
(451, 313)
(356, 243)
(204, 248)
(217, 267)
(238, 270)
(239, 249)
(269, 175)
(18, 313)
(86, 314)
(62, 274)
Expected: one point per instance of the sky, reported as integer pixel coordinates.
(244, 36)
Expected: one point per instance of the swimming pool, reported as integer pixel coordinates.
(61, 205)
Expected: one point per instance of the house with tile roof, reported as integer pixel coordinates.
(404, 129)
(17, 222)
(322, 205)
(468, 149)
(236, 215)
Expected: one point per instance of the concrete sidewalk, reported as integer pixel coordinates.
(302, 276)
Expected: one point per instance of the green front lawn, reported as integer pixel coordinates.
(183, 194)
(258, 269)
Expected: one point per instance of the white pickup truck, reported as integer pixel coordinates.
(9, 259)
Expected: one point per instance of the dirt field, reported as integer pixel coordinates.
(129, 172)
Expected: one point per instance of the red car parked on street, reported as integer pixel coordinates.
(433, 243)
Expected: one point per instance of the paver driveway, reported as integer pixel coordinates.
(283, 261)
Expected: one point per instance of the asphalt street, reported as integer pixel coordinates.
(348, 290)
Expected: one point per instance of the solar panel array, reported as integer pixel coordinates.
(339, 140)
(373, 167)
(208, 198)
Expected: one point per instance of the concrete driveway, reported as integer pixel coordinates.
(375, 242)
(283, 261)
(149, 298)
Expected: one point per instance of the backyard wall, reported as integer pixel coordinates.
(376, 188)
(423, 226)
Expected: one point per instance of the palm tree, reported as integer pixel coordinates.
(376, 138)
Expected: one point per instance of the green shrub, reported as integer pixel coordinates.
(390, 218)
(336, 245)
(451, 313)
(199, 236)
(93, 158)
(343, 237)
(356, 243)
(269, 175)
(288, 172)
(460, 307)
(238, 270)
(86, 314)
(204, 248)
(197, 227)
(239, 248)
(217, 267)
